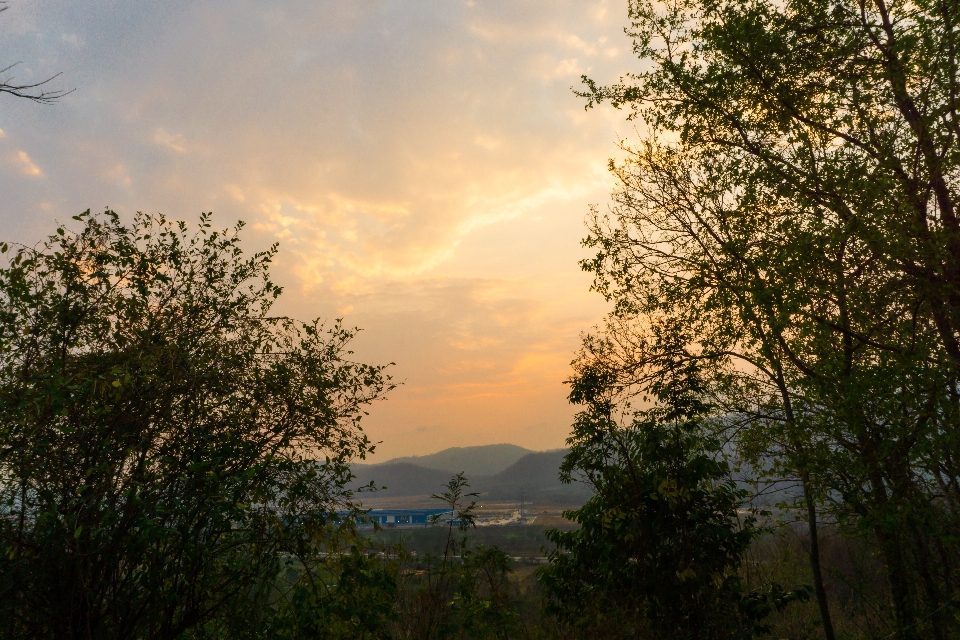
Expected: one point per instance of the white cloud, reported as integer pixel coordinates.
(399, 151)
(72, 39)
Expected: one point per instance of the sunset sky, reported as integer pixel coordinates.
(423, 164)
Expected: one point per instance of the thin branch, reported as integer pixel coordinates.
(34, 91)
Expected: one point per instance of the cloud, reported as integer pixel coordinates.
(423, 165)
(174, 142)
(27, 167)
(235, 192)
(490, 143)
(72, 39)
(561, 69)
(118, 174)
(484, 357)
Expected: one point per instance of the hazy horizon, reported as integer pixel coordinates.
(376, 458)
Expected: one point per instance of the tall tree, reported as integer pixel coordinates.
(659, 546)
(789, 220)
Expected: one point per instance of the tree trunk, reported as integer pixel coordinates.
(821, 593)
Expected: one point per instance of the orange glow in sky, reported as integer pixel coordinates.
(424, 166)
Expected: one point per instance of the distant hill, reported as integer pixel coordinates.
(401, 478)
(536, 474)
(485, 460)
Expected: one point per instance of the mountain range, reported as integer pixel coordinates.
(497, 472)
(487, 460)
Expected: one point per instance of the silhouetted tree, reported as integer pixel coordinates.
(167, 447)
(659, 547)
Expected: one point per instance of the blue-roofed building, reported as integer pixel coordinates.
(403, 517)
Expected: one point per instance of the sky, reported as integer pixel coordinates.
(424, 166)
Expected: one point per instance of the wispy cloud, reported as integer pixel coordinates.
(174, 142)
(27, 167)
(423, 165)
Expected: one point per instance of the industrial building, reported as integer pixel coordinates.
(403, 517)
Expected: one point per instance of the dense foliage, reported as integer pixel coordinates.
(659, 548)
(789, 223)
(165, 444)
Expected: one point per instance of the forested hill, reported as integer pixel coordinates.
(536, 474)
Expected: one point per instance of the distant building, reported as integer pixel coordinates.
(404, 517)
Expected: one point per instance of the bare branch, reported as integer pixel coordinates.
(31, 91)
(34, 91)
